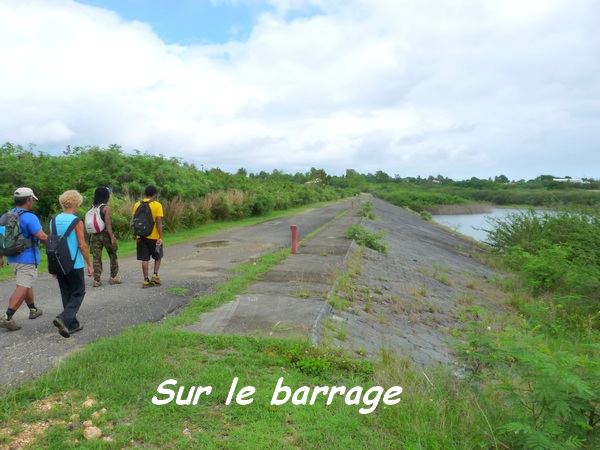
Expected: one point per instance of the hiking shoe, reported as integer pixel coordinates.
(10, 325)
(147, 284)
(97, 283)
(115, 280)
(155, 280)
(75, 330)
(34, 313)
(62, 328)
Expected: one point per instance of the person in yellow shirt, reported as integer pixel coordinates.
(151, 246)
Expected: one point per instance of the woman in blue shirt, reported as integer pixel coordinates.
(72, 285)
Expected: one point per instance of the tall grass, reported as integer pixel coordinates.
(219, 205)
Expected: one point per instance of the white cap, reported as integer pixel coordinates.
(24, 192)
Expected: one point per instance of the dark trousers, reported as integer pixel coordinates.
(72, 291)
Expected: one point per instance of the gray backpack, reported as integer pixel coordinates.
(12, 242)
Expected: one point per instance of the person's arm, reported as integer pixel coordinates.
(159, 228)
(83, 248)
(108, 225)
(34, 224)
(43, 237)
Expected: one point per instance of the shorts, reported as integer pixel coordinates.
(26, 274)
(146, 249)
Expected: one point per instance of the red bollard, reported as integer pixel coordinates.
(294, 229)
(351, 208)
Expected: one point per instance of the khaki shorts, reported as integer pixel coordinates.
(26, 274)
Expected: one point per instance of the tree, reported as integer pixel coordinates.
(318, 176)
(381, 177)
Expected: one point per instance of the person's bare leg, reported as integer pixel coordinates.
(157, 265)
(145, 269)
(16, 299)
(29, 297)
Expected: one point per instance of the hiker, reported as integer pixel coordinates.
(24, 265)
(150, 245)
(105, 239)
(72, 285)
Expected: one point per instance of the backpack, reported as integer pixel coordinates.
(93, 221)
(12, 242)
(60, 261)
(143, 222)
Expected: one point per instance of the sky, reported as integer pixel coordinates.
(458, 88)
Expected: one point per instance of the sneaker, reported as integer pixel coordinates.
(115, 280)
(97, 283)
(62, 328)
(147, 284)
(10, 325)
(75, 330)
(155, 280)
(34, 313)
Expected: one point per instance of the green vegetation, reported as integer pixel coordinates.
(198, 196)
(556, 252)
(432, 193)
(362, 236)
(191, 197)
(366, 210)
(545, 364)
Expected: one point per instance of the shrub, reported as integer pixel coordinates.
(262, 204)
(220, 208)
(364, 237)
(555, 252)
(553, 395)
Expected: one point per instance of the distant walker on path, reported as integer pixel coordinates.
(150, 246)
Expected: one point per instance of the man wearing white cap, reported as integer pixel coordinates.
(24, 265)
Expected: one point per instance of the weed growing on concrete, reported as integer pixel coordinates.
(364, 237)
(303, 293)
(366, 210)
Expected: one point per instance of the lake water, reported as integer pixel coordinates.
(472, 225)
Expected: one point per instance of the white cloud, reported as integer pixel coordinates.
(467, 88)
